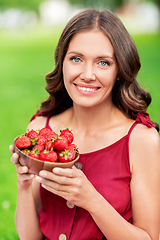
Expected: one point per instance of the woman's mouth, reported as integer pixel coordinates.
(87, 90)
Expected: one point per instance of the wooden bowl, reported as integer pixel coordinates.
(36, 165)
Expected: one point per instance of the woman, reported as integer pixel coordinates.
(93, 91)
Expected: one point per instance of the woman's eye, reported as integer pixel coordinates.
(104, 63)
(75, 59)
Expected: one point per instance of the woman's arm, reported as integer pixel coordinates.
(28, 199)
(73, 185)
(145, 192)
(27, 222)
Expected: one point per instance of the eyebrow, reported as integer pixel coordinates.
(77, 53)
(100, 57)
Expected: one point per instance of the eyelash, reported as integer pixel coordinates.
(106, 63)
(74, 59)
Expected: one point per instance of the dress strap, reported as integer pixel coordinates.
(47, 123)
(41, 114)
(131, 128)
(35, 115)
(141, 117)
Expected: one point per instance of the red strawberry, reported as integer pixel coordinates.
(33, 154)
(41, 140)
(43, 131)
(23, 142)
(71, 145)
(49, 145)
(47, 133)
(50, 135)
(32, 134)
(39, 148)
(50, 156)
(67, 134)
(67, 155)
(60, 143)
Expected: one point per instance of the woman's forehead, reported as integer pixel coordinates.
(93, 40)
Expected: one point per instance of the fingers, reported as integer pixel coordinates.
(50, 178)
(15, 158)
(21, 169)
(61, 179)
(11, 149)
(24, 177)
(60, 175)
(67, 172)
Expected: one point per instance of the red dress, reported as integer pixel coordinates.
(108, 169)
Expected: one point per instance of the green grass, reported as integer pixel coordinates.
(25, 58)
(149, 75)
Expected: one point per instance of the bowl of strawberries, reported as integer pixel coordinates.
(44, 149)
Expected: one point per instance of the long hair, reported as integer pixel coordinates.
(127, 94)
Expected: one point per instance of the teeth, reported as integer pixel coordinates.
(86, 89)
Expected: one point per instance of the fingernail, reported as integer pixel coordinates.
(55, 170)
(39, 179)
(43, 174)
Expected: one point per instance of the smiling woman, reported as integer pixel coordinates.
(93, 91)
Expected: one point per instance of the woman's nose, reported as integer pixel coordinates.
(87, 73)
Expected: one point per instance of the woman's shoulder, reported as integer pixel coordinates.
(56, 122)
(144, 145)
(144, 135)
(37, 123)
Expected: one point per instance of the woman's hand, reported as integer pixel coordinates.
(71, 184)
(24, 177)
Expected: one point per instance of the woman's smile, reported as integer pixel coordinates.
(86, 89)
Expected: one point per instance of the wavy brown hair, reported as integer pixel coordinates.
(127, 94)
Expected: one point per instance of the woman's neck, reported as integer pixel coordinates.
(99, 117)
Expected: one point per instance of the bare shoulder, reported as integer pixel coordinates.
(144, 145)
(37, 123)
(144, 151)
(56, 122)
(144, 136)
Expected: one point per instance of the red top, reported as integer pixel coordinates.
(108, 169)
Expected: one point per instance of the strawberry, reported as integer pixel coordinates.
(39, 148)
(67, 155)
(74, 147)
(43, 131)
(67, 134)
(33, 154)
(23, 142)
(41, 140)
(71, 145)
(50, 135)
(60, 143)
(50, 156)
(32, 134)
(47, 133)
(49, 145)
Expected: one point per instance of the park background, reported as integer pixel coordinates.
(29, 31)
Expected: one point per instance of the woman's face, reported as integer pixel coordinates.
(90, 69)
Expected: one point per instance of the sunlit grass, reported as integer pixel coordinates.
(25, 58)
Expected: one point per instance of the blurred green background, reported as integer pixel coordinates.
(26, 56)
